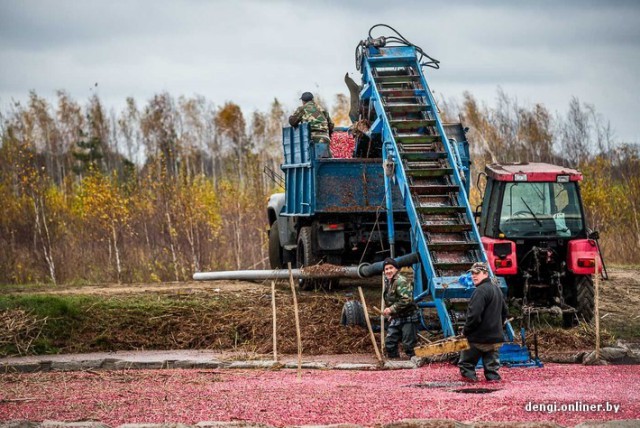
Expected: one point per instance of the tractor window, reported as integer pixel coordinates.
(540, 209)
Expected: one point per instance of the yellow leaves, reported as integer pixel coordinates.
(604, 197)
(196, 203)
(340, 111)
(99, 200)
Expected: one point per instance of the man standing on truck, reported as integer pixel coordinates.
(486, 314)
(400, 309)
(319, 121)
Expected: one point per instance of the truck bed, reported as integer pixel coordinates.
(314, 186)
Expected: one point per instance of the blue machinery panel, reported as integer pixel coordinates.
(315, 186)
(299, 182)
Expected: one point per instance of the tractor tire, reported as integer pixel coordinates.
(275, 250)
(585, 297)
(569, 320)
(353, 314)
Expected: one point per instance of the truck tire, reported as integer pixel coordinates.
(275, 250)
(305, 257)
(353, 314)
(585, 297)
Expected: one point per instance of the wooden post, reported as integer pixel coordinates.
(273, 308)
(381, 315)
(596, 313)
(297, 317)
(366, 318)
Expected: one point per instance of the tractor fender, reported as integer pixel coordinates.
(501, 255)
(581, 256)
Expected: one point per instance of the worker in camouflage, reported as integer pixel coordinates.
(400, 309)
(319, 121)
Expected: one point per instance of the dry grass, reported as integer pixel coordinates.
(581, 337)
(20, 329)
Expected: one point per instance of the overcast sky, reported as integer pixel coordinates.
(251, 52)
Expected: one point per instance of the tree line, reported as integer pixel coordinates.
(156, 192)
(580, 138)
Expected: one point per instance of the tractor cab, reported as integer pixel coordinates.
(532, 201)
(535, 235)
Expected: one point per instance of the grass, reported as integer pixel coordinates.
(215, 321)
(83, 323)
(61, 315)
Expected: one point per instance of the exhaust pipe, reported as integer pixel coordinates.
(364, 270)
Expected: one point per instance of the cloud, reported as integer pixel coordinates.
(252, 51)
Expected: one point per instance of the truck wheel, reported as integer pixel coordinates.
(275, 250)
(585, 297)
(304, 257)
(353, 314)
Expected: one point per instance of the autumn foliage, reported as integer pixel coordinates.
(151, 194)
(177, 186)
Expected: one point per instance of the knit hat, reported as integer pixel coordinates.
(390, 261)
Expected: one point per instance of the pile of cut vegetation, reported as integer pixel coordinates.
(203, 320)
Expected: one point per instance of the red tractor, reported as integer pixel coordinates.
(534, 233)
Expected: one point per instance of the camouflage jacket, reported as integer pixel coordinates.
(320, 123)
(398, 296)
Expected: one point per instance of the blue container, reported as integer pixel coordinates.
(315, 186)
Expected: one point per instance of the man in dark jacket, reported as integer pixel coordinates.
(320, 124)
(400, 309)
(486, 315)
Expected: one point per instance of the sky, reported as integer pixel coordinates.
(251, 52)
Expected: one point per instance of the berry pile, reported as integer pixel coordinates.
(342, 145)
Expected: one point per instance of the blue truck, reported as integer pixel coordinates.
(333, 211)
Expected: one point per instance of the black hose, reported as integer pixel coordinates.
(366, 270)
(396, 40)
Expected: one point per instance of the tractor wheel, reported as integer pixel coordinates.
(353, 314)
(275, 250)
(585, 297)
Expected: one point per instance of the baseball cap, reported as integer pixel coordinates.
(479, 267)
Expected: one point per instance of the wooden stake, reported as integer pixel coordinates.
(597, 307)
(382, 316)
(366, 318)
(295, 311)
(273, 308)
